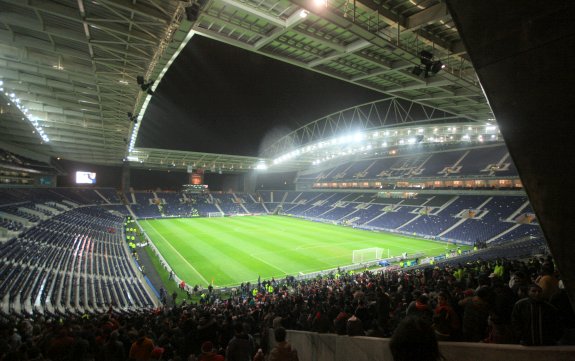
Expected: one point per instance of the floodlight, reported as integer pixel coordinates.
(436, 67)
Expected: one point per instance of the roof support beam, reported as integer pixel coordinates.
(72, 15)
(427, 16)
(260, 14)
(139, 10)
(290, 23)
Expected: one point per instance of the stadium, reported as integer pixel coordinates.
(426, 187)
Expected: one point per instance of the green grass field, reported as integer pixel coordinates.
(232, 250)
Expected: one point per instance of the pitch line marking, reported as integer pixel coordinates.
(269, 264)
(178, 253)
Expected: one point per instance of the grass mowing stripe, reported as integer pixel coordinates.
(277, 253)
(178, 254)
(237, 249)
(221, 262)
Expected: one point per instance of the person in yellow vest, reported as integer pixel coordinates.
(498, 270)
(254, 292)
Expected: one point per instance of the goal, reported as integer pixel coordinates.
(215, 214)
(366, 255)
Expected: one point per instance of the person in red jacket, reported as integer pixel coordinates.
(142, 348)
(446, 323)
(209, 354)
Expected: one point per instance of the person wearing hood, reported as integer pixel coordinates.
(282, 351)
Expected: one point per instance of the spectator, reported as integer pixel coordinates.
(283, 350)
(535, 321)
(475, 315)
(340, 322)
(60, 347)
(157, 353)
(142, 348)
(446, 322)
(114, 349)
(420, 308)
(354, 326)
(500, 314)
(548, 282)
(209, 353)
(241, 347)
(414, 340)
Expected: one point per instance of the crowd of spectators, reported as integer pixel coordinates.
(502, 301)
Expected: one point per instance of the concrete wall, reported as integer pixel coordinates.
(329, 347)
(522, 52)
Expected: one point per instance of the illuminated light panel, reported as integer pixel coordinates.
(33, 120)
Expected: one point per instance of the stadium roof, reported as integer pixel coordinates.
(71, 65)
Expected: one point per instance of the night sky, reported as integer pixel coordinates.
(217, 98)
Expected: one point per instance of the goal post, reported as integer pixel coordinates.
(367, 255)
(215, 214)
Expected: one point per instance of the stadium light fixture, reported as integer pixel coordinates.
(145, 86)
(358, 137)
(436, 67)
(431, 66)
(26, 112)
(417, 70)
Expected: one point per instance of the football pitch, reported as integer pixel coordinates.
(231, 250)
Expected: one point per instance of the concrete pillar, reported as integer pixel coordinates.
(523, 55)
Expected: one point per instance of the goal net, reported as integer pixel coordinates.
(215, 214)
(367, 255)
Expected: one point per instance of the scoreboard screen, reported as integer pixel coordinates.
(85, 177)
